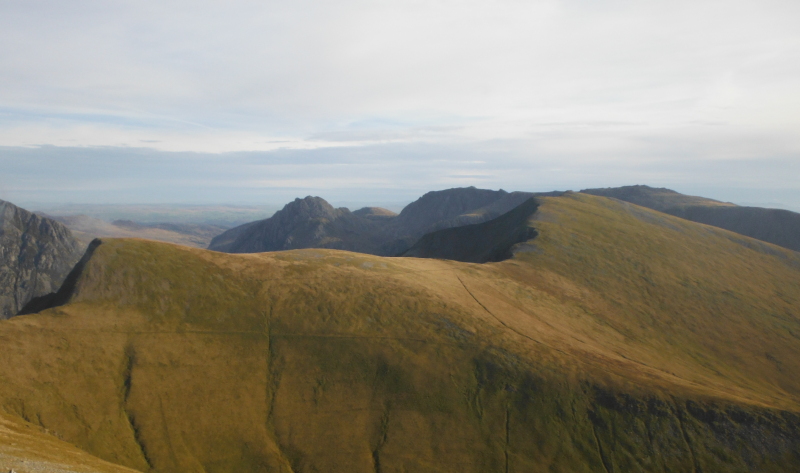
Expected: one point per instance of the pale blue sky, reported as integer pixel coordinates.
(252, 101)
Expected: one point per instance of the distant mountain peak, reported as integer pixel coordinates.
(640, 188)
(302, 223)
(310, 207)
(312, 222)
(657, 198)
(453, 202)
(492, 240)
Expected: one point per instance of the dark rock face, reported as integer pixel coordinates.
(776, 226)
(481, 242)
(36, 254)
(313, 223)
(423, 215)
(305, 223)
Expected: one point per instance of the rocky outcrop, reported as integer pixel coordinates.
(304, 223)
(314, 223)
(36, 254)
(423, 215)
(480, 242)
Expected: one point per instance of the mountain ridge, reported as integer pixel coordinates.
(777, 226)
(308, 221)
(490, 241)
(604, 346)
(361, 231)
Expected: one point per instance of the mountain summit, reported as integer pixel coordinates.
(303, 223)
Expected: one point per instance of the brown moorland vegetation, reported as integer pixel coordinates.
(28, 448)
(620, 339)
(777, 226)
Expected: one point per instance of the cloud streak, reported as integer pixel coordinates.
(564, 85)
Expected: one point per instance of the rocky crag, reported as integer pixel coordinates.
(480, 242)
(313, 223)
(303, 223)
(36, 254)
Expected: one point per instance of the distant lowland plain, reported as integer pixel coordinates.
(472, 330)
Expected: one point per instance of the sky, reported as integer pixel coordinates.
(380, 101)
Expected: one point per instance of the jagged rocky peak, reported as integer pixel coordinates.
(423, 214)
(451, 203)
(310, 222)
(310, 207)
(36, 254)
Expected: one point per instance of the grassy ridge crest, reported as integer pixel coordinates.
(619, 339)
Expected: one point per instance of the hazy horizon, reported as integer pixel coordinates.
(99, 209)
(200, 102)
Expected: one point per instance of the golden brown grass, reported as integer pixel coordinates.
(27, 448)
(620, 339)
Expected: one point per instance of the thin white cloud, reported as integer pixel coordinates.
(299, 68)
(569, 89)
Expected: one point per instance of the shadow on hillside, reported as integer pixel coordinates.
(480, 243)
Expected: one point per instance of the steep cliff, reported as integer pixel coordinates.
(36, 253)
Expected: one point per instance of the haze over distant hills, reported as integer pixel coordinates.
(778, 226)
(617, 339)
(87, 228)
(226, 216)
(313, 223)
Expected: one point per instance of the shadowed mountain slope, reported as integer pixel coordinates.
(422, 215)
(313, 223)
(480, 242)
(777, 226)
(656, 198)
(621, 339)
(304, 223)
(36, 253)
(493, 209)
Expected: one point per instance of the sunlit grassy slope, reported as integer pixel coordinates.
(26, 448)
(620, 339)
